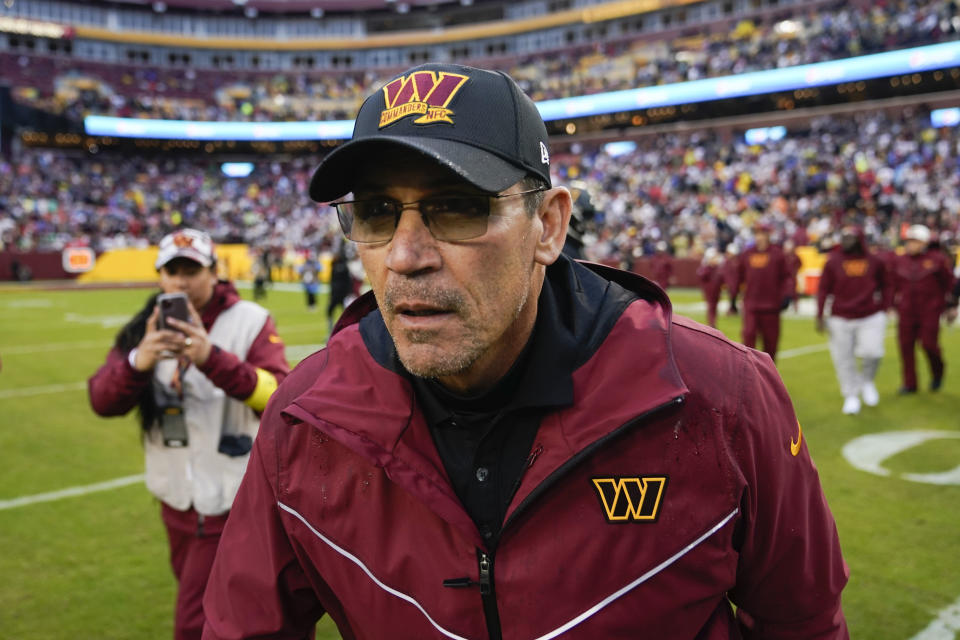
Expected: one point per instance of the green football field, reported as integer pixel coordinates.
(84, 553)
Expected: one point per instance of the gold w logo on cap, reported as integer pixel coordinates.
(423, 93)
(631, 499)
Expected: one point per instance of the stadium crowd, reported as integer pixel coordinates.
(76, 88)
(692, 191)
(705, 189)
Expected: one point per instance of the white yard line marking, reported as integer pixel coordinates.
(815, 348)
(300, 328)
(41, 390)
(54, 346)
(29, 303)
(105, 321)
(802, 351)
(70, 492)
(945, 626)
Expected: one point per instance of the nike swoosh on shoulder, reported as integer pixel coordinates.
(795, 446)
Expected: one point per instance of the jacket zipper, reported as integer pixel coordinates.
(488, 594)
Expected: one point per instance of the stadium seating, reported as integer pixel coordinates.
(75, 87)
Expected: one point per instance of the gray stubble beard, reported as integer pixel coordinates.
(449, 363)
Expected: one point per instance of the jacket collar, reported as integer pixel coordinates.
(224, 296)
(363, 399)
(588, 299)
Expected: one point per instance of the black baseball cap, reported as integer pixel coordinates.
(477, 123)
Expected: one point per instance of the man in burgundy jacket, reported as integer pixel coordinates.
(922, 280)
(661, 265)
(710, 274)
(858, 284)
(199, 388)
(768, 289)
(731, 276)
(500, 442)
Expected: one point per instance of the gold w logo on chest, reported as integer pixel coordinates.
(631, 499)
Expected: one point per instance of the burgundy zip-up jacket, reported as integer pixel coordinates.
(767, 279)
(677, 482)
(116, 387)
(921, 284)
(858, 282)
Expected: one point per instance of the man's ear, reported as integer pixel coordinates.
(554, 214)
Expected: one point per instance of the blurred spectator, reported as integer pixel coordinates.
(199, 387)
(857, 281)
(661, 265)
(922, 282)
(310, 278)
(731, 276)
(710, 274)
(766, 290)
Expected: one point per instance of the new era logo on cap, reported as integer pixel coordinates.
(476, 123)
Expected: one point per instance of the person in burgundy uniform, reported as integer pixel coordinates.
(857, 282)
(793, 265)
(199, 387)
(922, 281)
(731, 276)
(768, 288)
(661, 264)
(501, 442)
(710, 273)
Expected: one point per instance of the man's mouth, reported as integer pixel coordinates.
(418, 311)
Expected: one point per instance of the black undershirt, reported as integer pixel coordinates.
(484, 442)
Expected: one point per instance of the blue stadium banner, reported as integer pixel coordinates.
(879, 65)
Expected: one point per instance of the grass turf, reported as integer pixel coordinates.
(95, 566)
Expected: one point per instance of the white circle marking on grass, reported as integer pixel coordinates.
(868, 452)
(945, 626)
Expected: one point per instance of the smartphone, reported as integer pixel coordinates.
(172, 305)
(174, 427)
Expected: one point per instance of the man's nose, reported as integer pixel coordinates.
(412, 248)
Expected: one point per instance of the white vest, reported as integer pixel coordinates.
(198, 474)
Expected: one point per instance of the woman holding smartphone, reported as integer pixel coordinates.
(200, 364)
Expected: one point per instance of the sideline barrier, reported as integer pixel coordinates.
(136, 265)
(234, 263)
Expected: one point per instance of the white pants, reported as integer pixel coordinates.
(851, 339)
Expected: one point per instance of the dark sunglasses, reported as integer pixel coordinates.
(448, 218)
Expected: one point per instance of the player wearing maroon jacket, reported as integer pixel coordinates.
(793, 266)
(662, 265)
(856, 280)
(767, 292)
(922, 281)
(711, 282)
(731, 276)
